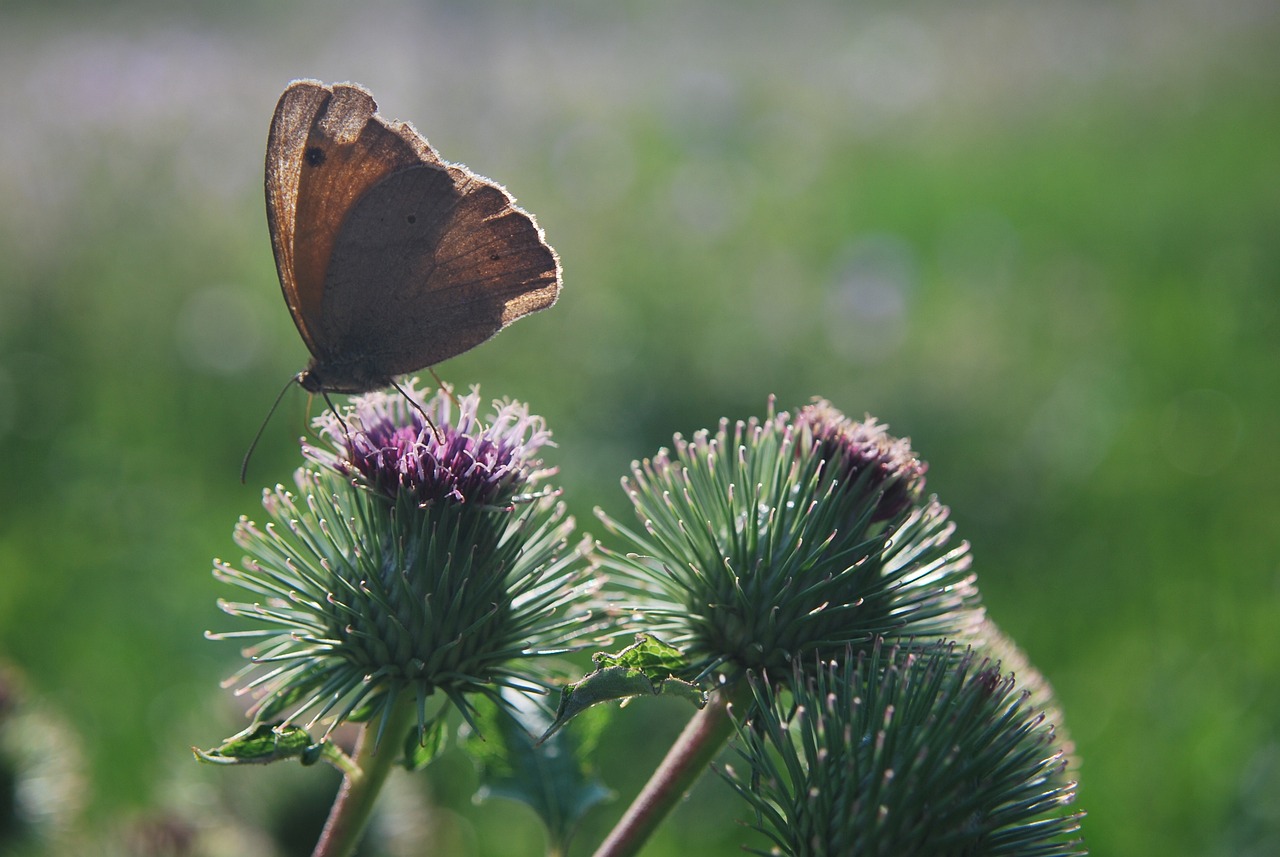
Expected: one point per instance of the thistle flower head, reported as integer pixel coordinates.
(387, 443)
(864, 457)
(892, 752)
(778, 539)
(405, 563)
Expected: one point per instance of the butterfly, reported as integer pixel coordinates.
(391, 260)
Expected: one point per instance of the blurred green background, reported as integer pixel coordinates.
(1042, 239)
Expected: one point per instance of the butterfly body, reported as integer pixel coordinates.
(390, 259)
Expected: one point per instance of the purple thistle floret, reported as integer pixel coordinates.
(387, 444)
(855, 448)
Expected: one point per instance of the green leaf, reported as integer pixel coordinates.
(645, 668)
(554, 778)
(658, 660)
(262, 745)
(421, 748)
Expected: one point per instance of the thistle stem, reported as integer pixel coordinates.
(688, 757)
(360, 786)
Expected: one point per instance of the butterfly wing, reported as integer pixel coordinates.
(430, 264)
(326, 148)
(390, 259)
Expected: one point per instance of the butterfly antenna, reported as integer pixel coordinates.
(411, 400)
(448, 391)
(244, 465)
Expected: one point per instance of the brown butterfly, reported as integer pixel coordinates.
(390, 259)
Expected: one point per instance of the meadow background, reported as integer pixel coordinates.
(1040, 238)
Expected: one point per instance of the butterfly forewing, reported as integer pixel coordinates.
(286, 143)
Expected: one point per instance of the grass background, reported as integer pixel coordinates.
(1042, 239)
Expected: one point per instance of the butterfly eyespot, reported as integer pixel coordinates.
(411, 219)
(315, 156)
(495, 257)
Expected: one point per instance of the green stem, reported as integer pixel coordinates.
(360, 787)
(688, 757)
